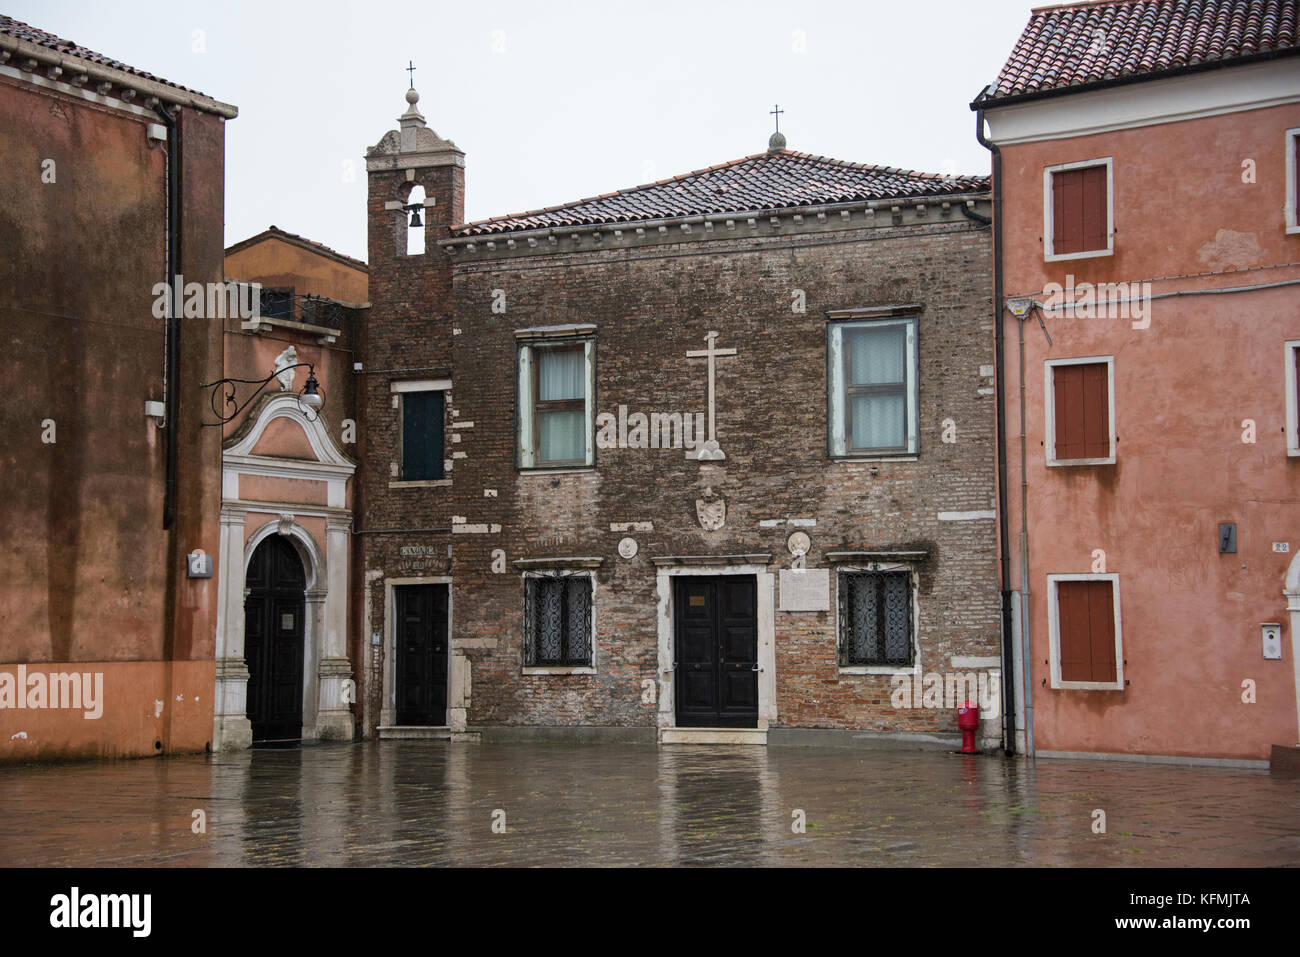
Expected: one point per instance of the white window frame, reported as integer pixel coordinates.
(1054, 634)
(915, 667)
(397, 388)
(1292, 412)
(1049, 255)
(1292, 146)
(525, 352)
(835, 408)
(590, 669)
(1049, 426)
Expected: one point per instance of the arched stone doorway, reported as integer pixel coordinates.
(274, 633)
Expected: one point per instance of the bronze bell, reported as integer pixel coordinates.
(415, 216)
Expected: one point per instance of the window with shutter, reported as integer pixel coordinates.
(1084, 633)
(1291, 376)
(1080, 428)
(1077, 207)
(422, 436)
(1292, 159)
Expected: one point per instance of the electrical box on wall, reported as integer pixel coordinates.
(199, 564)
(1228, 539)
(1272, 633)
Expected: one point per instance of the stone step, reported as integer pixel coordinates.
(408, 732)
(712, 736)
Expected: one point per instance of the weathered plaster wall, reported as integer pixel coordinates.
(91, 580)
(1183, 388)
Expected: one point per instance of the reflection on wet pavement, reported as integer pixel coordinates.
(436, 803)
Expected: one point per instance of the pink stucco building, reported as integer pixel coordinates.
(1148, 260)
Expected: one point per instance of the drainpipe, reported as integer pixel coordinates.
(999, 382)
(171, 362)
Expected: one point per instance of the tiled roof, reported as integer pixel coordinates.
(1084, 43)
(22, 31)
(781, 179)
(275, 232)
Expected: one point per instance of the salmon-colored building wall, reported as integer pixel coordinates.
(286, 263)
(283, 262)
(92, 582)
(1186, 217)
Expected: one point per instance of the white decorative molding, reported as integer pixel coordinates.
(1049, 427)
(1146, 103)
(326, 667)
(1049, 210)
(1054, 634)
(670, 567)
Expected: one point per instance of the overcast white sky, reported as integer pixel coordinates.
(552, 100)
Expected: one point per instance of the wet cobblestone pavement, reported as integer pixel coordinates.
(423, 803)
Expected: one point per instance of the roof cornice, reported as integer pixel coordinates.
(28, 56)
(756, 224)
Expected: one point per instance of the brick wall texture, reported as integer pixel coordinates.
(433, 316)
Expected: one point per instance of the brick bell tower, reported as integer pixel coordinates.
(415, 194)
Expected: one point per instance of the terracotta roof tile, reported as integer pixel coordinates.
(275, 232)
(22, 31)
(781, 179)
(1083, 43)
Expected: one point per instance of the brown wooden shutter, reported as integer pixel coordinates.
(1086, 614)
(1295, 165)
(1072, 613)
(1079, 210)
(1081, 399)
(1295, 359)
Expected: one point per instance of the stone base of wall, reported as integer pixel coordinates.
(577, 734)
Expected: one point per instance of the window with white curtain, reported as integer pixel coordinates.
(872, 387)
(556, 386)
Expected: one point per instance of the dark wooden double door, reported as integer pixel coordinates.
(273, 641)
(421, 621)
(716, 633)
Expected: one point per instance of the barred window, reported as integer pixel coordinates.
(557, 621)
(875, 611)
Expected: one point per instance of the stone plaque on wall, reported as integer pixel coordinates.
(808, 589)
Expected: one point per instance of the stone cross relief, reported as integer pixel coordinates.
(711, 509)
(709, 451)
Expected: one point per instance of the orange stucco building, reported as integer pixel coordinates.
(109, 481)
(1148, 263)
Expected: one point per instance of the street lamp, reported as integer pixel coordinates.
(223, 396)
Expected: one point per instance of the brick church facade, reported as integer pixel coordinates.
(706, 460)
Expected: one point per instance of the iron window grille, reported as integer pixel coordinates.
(557, 621)
(875, 618)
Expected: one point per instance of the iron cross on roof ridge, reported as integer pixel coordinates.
(411, 70)
(777, 113)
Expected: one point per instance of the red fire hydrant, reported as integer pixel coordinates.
(968, 720)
